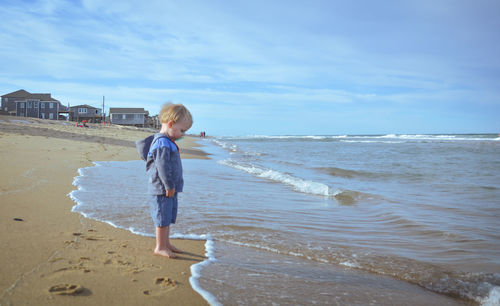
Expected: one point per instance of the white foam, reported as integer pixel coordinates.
(135, 231)
(372, 141)
(256, 246)
(315, 137)
(190, 236)
(195, 273)
(432, 137)
(232, 148)
(296, 183)
(373, 138)
(350, 264)
(493, 298)
(227, 146)
(79, 187)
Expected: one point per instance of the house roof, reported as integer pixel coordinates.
(118, 110)
(43, 97)
(83, 106)
(21, 93)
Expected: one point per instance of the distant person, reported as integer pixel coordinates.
(164, 168)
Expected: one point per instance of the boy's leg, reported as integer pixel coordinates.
(164, 211)
(172, 220)
(162, 242)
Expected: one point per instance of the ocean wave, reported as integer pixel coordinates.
(388, 138)
(233, 148)
(344, 197)
(225, 145)
(431, 137)
(482, 288)
(372, 141)
(465, 285)
(347, 173)
(274, 137)
(297, 184)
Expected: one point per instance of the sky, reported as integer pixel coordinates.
(266, 67)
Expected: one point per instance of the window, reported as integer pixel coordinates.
(82, 110)
(51, 105)
(21, 105)
(42, 104)
(6, 99)
(32, 103)
(138, 116)
(51, 116)
(124, 116)
(42, 114)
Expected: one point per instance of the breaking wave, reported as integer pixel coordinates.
(345, 197)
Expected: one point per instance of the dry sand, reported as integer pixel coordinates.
(52, 256)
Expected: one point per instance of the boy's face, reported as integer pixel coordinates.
(178, 129)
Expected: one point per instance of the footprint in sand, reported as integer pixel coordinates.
(73, 269)
(164, 283)
(91, 238)
(66, 289)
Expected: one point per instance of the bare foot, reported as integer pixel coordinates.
(174, 249)
(165, 253)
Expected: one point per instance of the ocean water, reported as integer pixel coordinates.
(359, 220)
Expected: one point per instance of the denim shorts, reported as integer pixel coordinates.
(163, 210)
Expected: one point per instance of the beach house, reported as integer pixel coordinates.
(128, 116)
(36, 105)
(85, 112)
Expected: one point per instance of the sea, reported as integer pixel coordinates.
(327, 220)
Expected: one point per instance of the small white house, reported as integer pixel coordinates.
(128, 116)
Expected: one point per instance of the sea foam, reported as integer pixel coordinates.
(298, 184)
(493, 299)
(195, 272)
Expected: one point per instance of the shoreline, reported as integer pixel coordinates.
(57, 256)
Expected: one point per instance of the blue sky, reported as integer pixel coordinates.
(266, 67)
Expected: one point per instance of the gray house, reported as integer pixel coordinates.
(128, 116)
(37, 105)
(85, 112)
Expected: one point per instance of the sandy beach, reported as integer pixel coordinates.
(52, 256)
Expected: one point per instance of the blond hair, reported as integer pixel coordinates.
(175, 112)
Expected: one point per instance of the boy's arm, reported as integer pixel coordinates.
(162, 162)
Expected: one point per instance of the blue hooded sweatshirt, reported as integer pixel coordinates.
(163, 163)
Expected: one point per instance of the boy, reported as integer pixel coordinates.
(164, 169)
